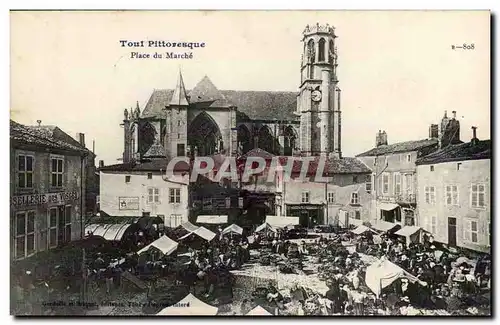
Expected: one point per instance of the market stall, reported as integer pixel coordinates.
(189, 306)
(383, 272)
(164, 244)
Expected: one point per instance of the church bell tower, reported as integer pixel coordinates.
(318, 102)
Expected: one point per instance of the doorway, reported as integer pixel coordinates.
(452, 231)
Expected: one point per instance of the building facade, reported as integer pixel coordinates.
(143, 189)
(454, 202)
(47, 188)
(394, 168)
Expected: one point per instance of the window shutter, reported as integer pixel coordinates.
(467, 234)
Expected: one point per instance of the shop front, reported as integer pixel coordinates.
(43, 221)
(310, 215)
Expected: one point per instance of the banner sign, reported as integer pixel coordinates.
(304, 207)
(40, 199)
(128, 203)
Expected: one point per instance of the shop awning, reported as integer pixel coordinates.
(259, 311)
(361, 229)
(387, 206)
(212, 219)
(282, 222)
(189, 226)
(107, 231)
(384, 225)
(201, 232)
(407, 231)
(265, 226)
(235, 229)
(166, 245)
(189, 306)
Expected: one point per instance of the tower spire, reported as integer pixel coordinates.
(179, 96)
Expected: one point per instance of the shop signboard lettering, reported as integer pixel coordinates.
(41, 199)
(128, 203)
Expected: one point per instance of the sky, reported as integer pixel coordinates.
(397, 69)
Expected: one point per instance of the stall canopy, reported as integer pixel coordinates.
(213, 220)
(383, 272)
(259, 311)
(265, 226)
(361, 229)
(166, 245)
(411, 233)
(189, 306)
(189, 226)
(385, 226)
(282, 222)
(201, 232)
(235, 229)
(387, 206)
(107, 231)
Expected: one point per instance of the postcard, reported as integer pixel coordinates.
(250, 163)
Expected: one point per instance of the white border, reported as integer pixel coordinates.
(190, 4)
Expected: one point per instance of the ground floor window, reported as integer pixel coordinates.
(392, 215)
(25, 234)
(67, 223)
(52, 227)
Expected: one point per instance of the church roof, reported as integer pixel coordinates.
(206, 92)
(155, 151)
(179, 96)
(257, 105)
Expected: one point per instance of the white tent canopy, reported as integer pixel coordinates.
(189, 226)
(385, 226)
(259, 311)
(411, 233)
(362, 229)
(281, 222)
(201, 232)
(213, 219)
(107, 231)
(265, 226)
(383, 272)
(235, 229)
(189, 306)
(166, 245)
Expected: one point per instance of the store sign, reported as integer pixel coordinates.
(40, 199)
(304, 207)
(128, 203)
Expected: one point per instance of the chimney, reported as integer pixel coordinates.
(101, 163)
(474, 139)
(454, 115)
(81, 139)
(433, 131)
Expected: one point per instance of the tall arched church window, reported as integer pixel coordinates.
(331, 52)
(321, 50)
(311, 53)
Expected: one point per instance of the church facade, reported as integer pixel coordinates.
(206, 121)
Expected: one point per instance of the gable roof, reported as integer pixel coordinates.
(256, 105)
(406, 146)
(459, 152)
(158, 100)
(45, 136)
(155, 151)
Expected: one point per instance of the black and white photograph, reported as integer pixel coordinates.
(250, 163)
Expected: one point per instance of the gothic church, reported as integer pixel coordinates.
(205, 120)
